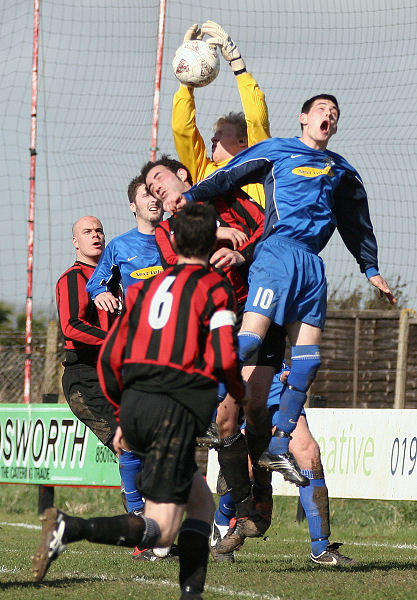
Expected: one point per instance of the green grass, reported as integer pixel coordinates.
(381, 535)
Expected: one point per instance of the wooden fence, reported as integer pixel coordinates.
(369, 359)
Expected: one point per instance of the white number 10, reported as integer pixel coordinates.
(263, 297)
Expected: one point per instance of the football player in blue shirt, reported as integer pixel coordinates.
(309, 192)
(128, 258)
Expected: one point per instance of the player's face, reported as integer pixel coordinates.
(161, 181)
(88, 239)
(319, 124)
(168, 186)
(146, 207)
(225, 143)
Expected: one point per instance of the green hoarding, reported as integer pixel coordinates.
(46, 444)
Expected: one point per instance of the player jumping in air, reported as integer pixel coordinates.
(309, 192)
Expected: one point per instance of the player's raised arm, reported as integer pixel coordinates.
(249, 166)
(188, 141)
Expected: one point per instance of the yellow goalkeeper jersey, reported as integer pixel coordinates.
(189, 144)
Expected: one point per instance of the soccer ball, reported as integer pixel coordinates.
(196, 63)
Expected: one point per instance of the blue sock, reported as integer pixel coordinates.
(273, 411)
(248, 344)
(315, 501)
(226, 509)
(129, 466)
(221, 391)
(305, 360)
(286, 418)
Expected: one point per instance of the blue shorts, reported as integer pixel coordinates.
(287, 283)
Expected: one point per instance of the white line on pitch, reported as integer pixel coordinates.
(292, 541)
(23, 525)
(162, 583)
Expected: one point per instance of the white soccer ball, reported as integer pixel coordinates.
(161, 552)
(196, 63)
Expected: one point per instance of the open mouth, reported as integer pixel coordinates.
(325, 126)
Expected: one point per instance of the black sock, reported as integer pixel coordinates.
(123, 530)
(193, 550)
(233, 460)
(256, 443)
(262, 484)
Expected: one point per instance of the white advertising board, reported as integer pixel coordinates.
(366, 453)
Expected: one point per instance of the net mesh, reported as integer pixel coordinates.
(96, 79)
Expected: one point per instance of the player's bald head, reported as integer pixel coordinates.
(85, 223)
(88, 239)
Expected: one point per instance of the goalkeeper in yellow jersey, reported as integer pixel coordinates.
(233, 132)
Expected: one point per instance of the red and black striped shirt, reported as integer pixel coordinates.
(83, 326)
(236, 210)
(176, 336)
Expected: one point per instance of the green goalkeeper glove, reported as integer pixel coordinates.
(193, 33)
(229, 49)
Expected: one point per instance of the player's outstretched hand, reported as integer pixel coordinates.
(106, 301)
(231, 235)
(193, 33)
(173, 202)
(384, 289)
(226, 257)
(229, 49)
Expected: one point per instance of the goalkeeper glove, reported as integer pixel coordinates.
(193, 33)
(229, 49)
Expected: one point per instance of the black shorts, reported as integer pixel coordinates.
(163, 432)
(86, 400)
(272, 350)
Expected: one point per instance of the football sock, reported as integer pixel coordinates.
(233, 460)
(221, 393)
(262, 484)
(123, 530)
(315, 501)
(129, 466)
(226, 510)
(257, 444)
(305, 360)
(193, 550)
(248, 344)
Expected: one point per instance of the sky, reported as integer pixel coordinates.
(94, 121)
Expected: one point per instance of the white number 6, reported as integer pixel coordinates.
(161, 305)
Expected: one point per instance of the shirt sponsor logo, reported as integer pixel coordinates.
(312, 172)
(146, 273)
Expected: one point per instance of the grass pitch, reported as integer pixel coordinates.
(382, 536)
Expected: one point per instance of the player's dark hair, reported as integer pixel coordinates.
(308, 103)
(166, 161)
(133, 187)
(195, 230)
